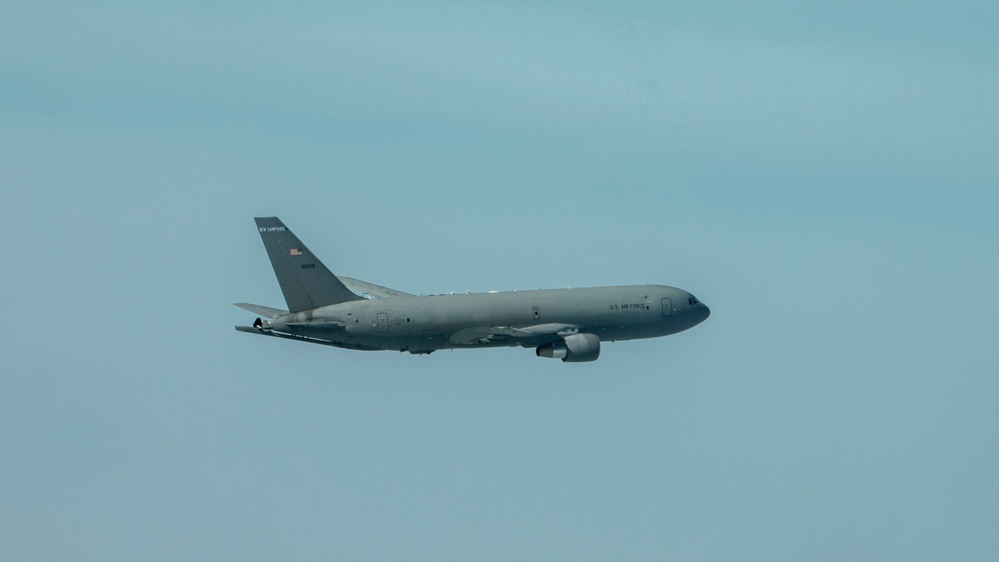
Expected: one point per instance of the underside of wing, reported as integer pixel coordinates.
(528, 336)
(370, 290)
(328, 325)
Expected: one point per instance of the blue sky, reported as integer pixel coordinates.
(822, 176)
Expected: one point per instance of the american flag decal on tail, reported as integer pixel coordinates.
(296, 252)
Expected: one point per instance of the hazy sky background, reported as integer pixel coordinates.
(825, 178)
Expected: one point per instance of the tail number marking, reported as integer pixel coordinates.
(308, 266)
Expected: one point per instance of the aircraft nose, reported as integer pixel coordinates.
(701, 312)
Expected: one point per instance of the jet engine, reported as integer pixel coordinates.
(575, 348)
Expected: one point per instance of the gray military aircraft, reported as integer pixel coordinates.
(566, 324)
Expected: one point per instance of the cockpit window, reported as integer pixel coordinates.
(692, 301)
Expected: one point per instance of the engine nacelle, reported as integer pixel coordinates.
(575, 348)
(556, 350)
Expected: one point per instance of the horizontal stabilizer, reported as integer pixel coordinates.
(265, 311)
(376, 291)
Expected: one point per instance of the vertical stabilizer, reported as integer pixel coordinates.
(305, 281)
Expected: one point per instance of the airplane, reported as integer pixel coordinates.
(566, 324)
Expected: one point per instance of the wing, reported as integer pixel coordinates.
(371, 290)
(529, 336)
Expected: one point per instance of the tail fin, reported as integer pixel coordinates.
(305, 281)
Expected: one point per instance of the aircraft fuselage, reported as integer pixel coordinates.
(428, 323)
